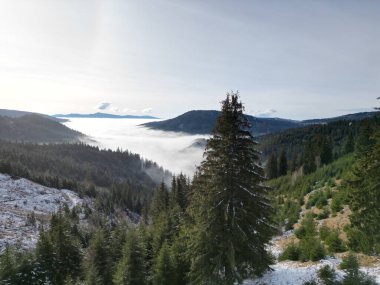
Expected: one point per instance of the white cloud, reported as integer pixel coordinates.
(103, 106)
(128, 110)
(147, 110)
(173, 151)
(265, 113)
(114, 109)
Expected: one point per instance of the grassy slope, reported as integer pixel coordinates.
(292, 191)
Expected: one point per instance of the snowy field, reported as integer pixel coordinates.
(174, 151)
(297, 273)
(20, 198)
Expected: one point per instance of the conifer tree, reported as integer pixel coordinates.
(272, 167)
(131, 268)
(326, 151)
(7, 265)
(350, 143)
(309, 165)
(66, 249)
(365, 191)
(98, 258)
(58, 251)
(283, 164)
(92, 276)
(46, 258)
(230, 208)
(180, 191)
(160, 202)
(164, 272)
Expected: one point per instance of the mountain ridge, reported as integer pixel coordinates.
(36, 129)
(102, 116)
(17, 114)
(202, 122)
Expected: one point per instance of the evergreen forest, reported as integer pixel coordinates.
(318, 184)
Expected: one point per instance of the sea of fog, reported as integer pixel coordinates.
(172, 151)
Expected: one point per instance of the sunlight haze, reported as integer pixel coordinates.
(168, 57)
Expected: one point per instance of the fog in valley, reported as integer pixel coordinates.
(174, 152)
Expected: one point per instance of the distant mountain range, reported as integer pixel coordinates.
(203, 122)
(102, 116)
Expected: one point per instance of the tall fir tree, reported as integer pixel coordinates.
(309, 164)
(160, 202)
(7, 265)
(272, 169)
(283, 164)
(326, 151)
(364, 192)
(58, 251)
(349, 147)
(98, 258)
(230, 208)
(131, 268)
(164, 271)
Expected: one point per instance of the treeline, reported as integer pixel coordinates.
(313, 146)
(115, 178)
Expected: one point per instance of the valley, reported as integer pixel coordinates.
(115, 185)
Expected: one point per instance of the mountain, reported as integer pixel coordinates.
(17, 114)
(126, 177)
(102, 116)
(202, 122)
(35, 128)
(348, 117)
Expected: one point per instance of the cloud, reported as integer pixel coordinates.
(175, 152)
(147, 110)
(103, 106)
(114, 109)
(264, 114)
(127, 110)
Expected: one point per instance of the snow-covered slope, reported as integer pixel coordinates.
(298, 273)
(20, 200)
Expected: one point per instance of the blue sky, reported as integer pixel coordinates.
(294, 59)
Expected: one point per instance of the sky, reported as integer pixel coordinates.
(291, 59)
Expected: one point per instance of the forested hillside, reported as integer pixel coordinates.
(123, 176)
(36, 128)
(331, 209)
(314, 145)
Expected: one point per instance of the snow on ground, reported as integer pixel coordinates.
(293, 273)
(297, 273)
(19, 198)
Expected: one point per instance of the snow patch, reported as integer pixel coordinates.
(19, 199)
